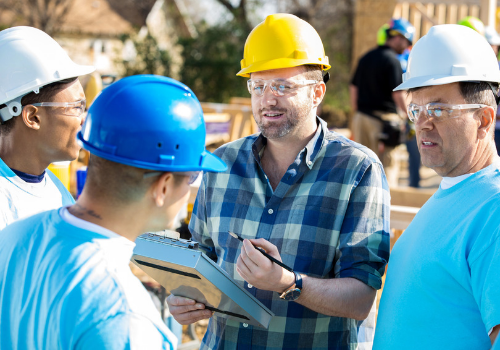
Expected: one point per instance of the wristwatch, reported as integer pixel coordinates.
(293, 292)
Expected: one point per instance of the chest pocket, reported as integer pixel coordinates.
(310, 239)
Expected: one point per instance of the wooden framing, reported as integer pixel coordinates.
(423, 15)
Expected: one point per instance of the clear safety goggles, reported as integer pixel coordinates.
(439, 111)
(193, 175)
(278, 87)
(75, 109)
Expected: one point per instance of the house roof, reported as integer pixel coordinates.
(95, 17)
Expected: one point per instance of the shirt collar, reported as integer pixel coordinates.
(311, 150)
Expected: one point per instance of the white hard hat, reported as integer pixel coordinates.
(491, 35)
(29, 60)
(450, 53)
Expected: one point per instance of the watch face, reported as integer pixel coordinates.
(292, 294)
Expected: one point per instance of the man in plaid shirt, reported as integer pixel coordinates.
(309, 197)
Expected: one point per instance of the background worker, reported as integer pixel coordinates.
(442, 284)
(66, 282)
(308, 196)
(414, 162)
(41, 110)
(377, 123)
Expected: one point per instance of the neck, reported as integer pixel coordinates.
(483, 158)
(280, 153)
(19, 153)
(129, 221)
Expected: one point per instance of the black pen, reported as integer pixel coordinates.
(264, 253)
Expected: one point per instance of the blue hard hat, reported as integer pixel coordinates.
(150, 122)
(403, 27)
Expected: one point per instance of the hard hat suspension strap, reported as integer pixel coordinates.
(11, 109)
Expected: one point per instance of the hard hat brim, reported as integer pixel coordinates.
(80, 70)
(209, 162)
(441, 80)
(279, 63)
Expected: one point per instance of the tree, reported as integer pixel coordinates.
(211, 62)
(46, 15)
(149, 58)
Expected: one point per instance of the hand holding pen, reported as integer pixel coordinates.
(264, 253)
(254, 269)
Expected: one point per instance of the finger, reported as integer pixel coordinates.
(250, 256)
(173, 300)
(243, 269)
(256, 257)
(193, 316)
(270, 248)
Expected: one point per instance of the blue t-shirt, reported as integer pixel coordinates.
(67, 287)
(443, 282)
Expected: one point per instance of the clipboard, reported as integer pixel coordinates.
(184, 270)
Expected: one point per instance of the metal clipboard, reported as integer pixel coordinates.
(184, 270)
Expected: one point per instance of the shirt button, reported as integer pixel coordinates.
(270, 211)
(309, 162)
(250, 286)
(245, 325)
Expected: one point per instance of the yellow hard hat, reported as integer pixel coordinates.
(282, 41)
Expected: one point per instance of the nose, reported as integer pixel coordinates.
(422, 122)
(268, 97)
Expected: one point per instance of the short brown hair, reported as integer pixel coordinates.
(473, 92)
(313, 72)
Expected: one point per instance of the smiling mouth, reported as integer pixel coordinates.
(428, 143)
(272, 115)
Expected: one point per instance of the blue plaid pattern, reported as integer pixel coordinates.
(328, 217)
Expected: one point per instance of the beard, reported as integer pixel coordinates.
(294, 118)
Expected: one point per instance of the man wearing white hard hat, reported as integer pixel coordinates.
(442, 287)
(41, 110)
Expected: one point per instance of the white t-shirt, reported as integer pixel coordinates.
(66, 284)
(20, 199)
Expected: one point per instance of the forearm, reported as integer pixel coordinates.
(353, 90)
(340, 297)
(494, 334)
(399, 99)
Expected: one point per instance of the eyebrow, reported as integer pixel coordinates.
(438, 100)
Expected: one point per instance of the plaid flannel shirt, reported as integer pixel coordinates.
(328, 217)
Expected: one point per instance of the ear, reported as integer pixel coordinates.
(318, 93)
(486, 122)
(162, 188)
(31, 118)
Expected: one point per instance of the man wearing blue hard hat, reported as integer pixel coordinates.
(41, 109)
(66, 281)
(442, 286)
(377, 122)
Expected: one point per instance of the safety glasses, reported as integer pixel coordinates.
(75, 109)
(193, 175)
(439, 111)
(278, 87)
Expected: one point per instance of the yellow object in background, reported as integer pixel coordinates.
(62, 171)
(93, 88)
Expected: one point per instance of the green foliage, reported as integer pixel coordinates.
(212, 60)
(150, 58)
